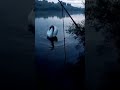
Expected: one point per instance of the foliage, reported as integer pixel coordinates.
(78, 32)
(54, 6)
(104, 16)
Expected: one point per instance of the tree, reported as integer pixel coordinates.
(104, 15)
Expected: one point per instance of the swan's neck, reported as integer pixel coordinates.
(52, 30)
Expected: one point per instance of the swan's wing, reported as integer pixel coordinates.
(49, 33)
(55, 31)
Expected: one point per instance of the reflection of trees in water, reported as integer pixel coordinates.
(46, 14)
(52, 40)
(79, 34)
(104, 16)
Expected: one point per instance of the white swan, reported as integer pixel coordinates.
(52, 32)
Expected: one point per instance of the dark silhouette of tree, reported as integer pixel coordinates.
(104, 15)
(45, 5)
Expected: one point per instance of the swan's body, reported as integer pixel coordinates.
(52, 32)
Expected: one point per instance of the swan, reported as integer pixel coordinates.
(52, 32)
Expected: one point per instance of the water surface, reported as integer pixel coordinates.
(51, 62)
(43, 45)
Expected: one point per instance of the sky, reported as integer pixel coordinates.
(76, 3)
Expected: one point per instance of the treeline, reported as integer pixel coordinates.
(44, 5)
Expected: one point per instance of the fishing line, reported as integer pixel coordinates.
(64, 35)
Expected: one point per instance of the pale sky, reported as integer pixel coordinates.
(76, 3)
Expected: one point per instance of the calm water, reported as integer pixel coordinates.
(51, 61)
(43, 45)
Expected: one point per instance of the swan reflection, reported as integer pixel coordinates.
(52, 40)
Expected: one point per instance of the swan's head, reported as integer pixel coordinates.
(51, 27)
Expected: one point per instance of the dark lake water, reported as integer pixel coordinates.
(52, 60)
(43, 45)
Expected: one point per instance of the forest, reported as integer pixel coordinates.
(104, 15)
(45, 5)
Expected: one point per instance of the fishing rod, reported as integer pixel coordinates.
(63, 8)
(68, 13)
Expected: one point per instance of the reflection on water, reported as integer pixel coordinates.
(47, 14)
(52, 40)
(42, 44)
(51, 60)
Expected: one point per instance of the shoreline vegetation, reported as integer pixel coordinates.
(78, 33)
(51, 6)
